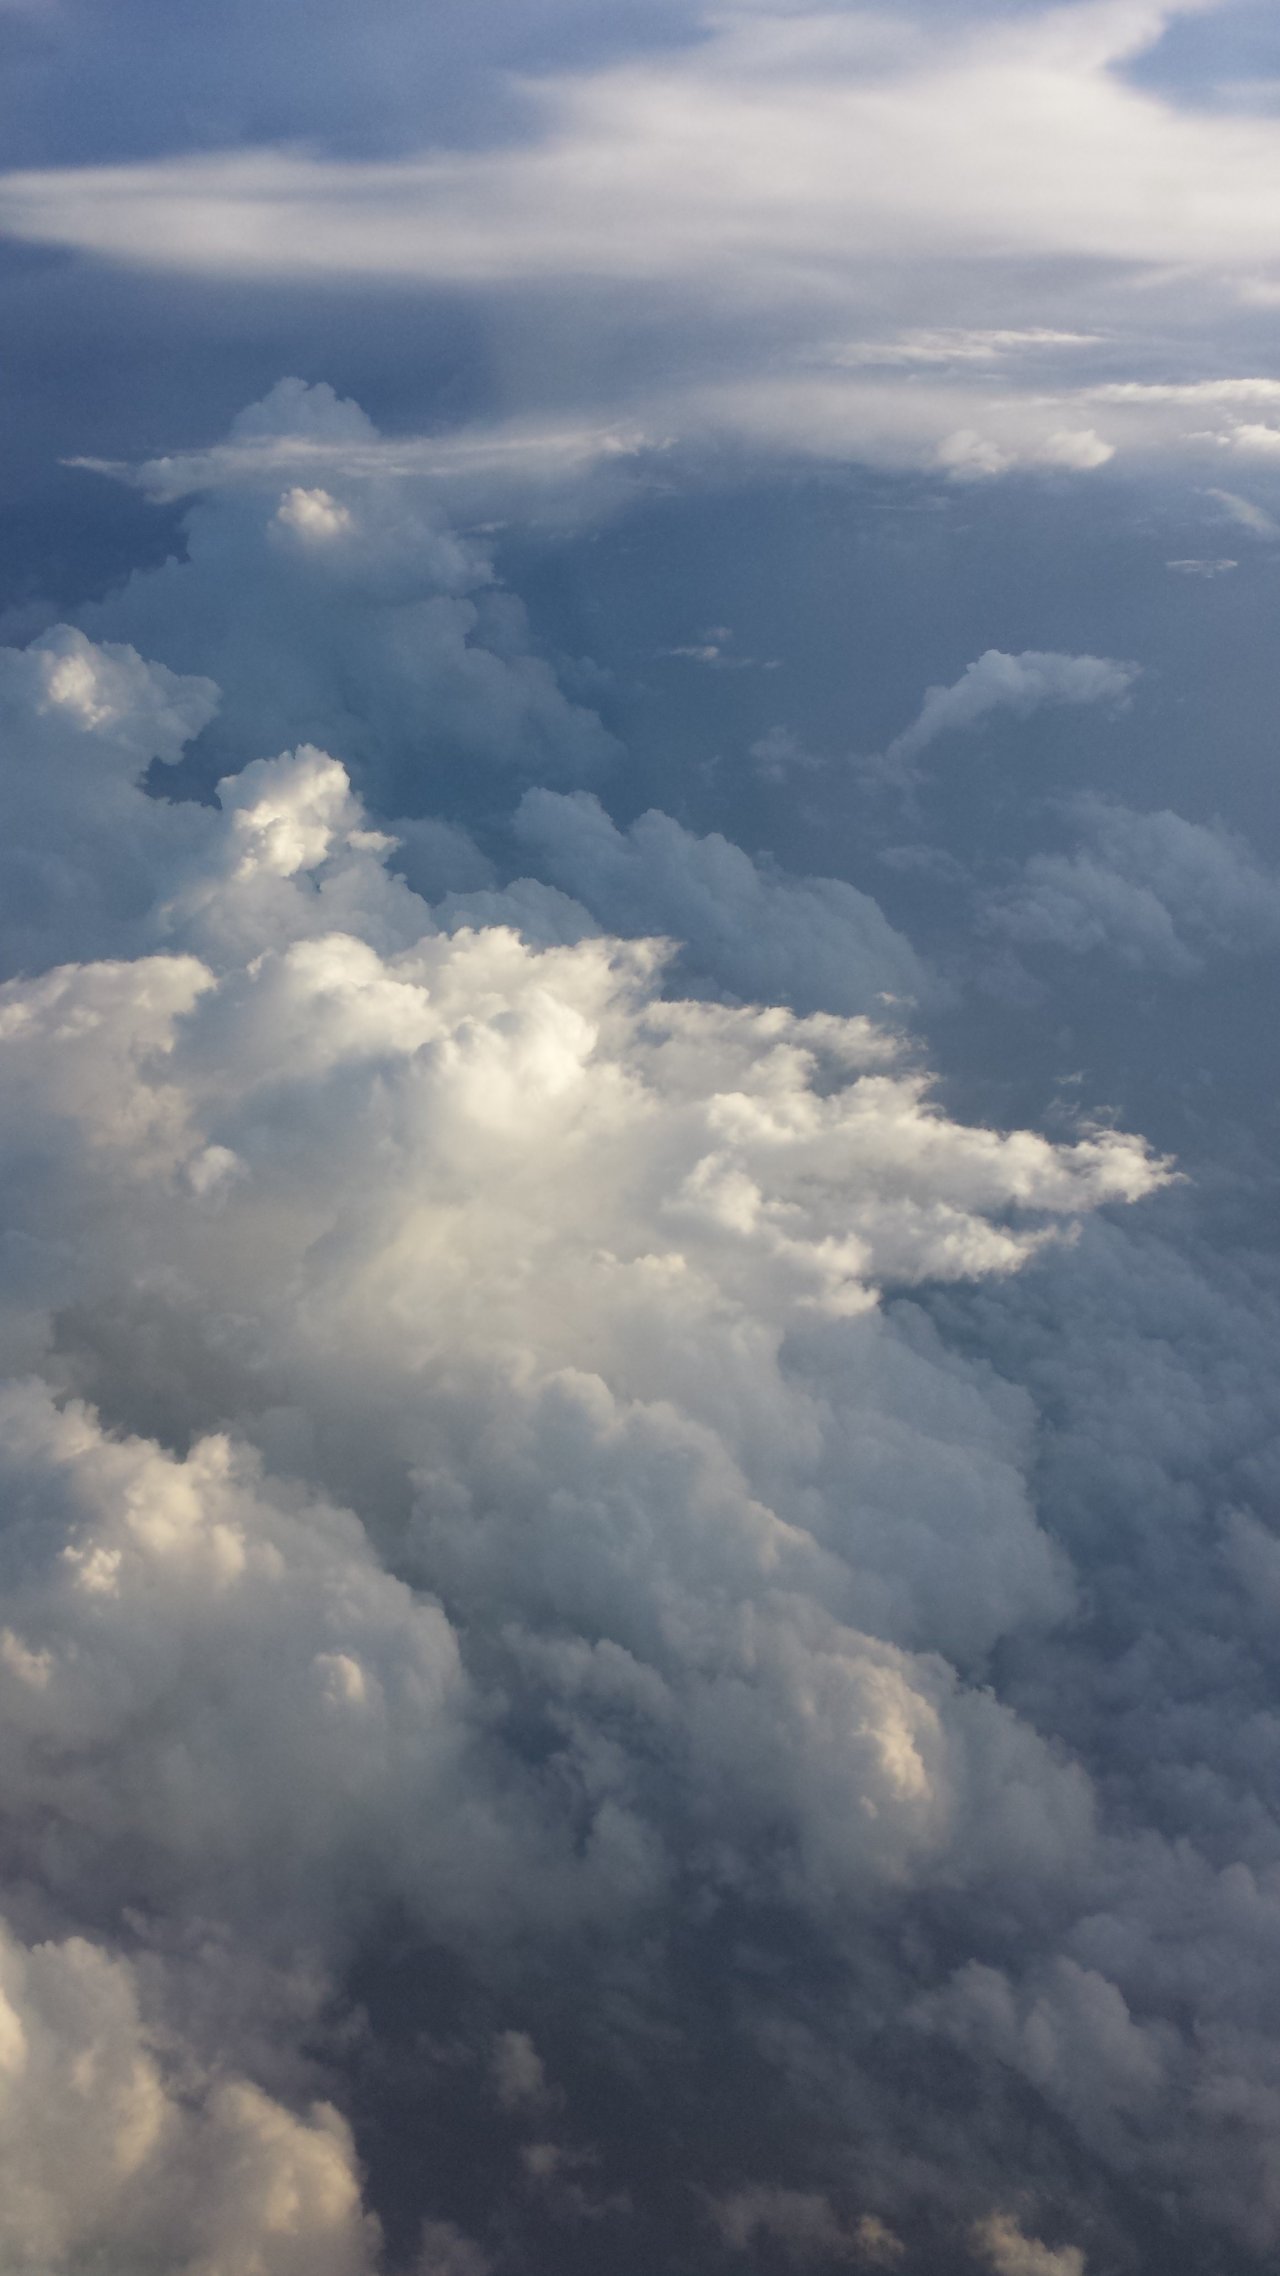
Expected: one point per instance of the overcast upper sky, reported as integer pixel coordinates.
(639, 916)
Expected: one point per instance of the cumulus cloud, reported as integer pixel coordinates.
(81, 726)
(807, 2228)
(817, 943)
(346, 612)
(1010, 2253)
(116, 2159)
(1018, 684)
(583, 1556)
(1154, 890)
(421, 1340)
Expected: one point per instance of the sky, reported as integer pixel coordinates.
(639, 916)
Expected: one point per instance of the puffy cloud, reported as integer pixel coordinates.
(578, 1562)
(808, 2229)
(208, 1689)
(1154, 890)
(117, 2160)
(1018, 684)
(81, 725)
(816, 943)
(1010, 2253)
(679, 1563)
(345, 612)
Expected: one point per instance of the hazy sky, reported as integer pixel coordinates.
(640, 919)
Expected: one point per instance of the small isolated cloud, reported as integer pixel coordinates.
(806, 2229)
(1202, 568)
(1019, 684)
(779, 754)
(715, 649)
(960, 344)
(972, 454)
(1253, 438)
(1008, 2252)
(1246, 513)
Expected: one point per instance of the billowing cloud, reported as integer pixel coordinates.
(1010, 2253)
(115, 2159)
(1153, 890)
(422, 1341)
(335, 605)
(622, 1635)
(815, 942)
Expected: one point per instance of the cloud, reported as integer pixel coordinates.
(807, 2228)
(1010, 2253)
(574, 1292)
(81, 725)
(815, 943)
(887, 142)
(1020, 684)
(116, 2160)
(905, 157)
(1246, 513)
(345, 612)
(593, 1579)
(1154, 890)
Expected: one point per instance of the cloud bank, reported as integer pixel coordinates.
(821, 299)
(622, 1634)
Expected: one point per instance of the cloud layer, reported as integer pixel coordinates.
(622, 1634)
(819, 300)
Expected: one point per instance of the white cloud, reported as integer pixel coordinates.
(566, 1294)
(900, 158)
(115, 2161)
(970, 143)
(348, 614)
(1010, 2253)
(476, 1455)
(961, 344)
(1018, 684)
